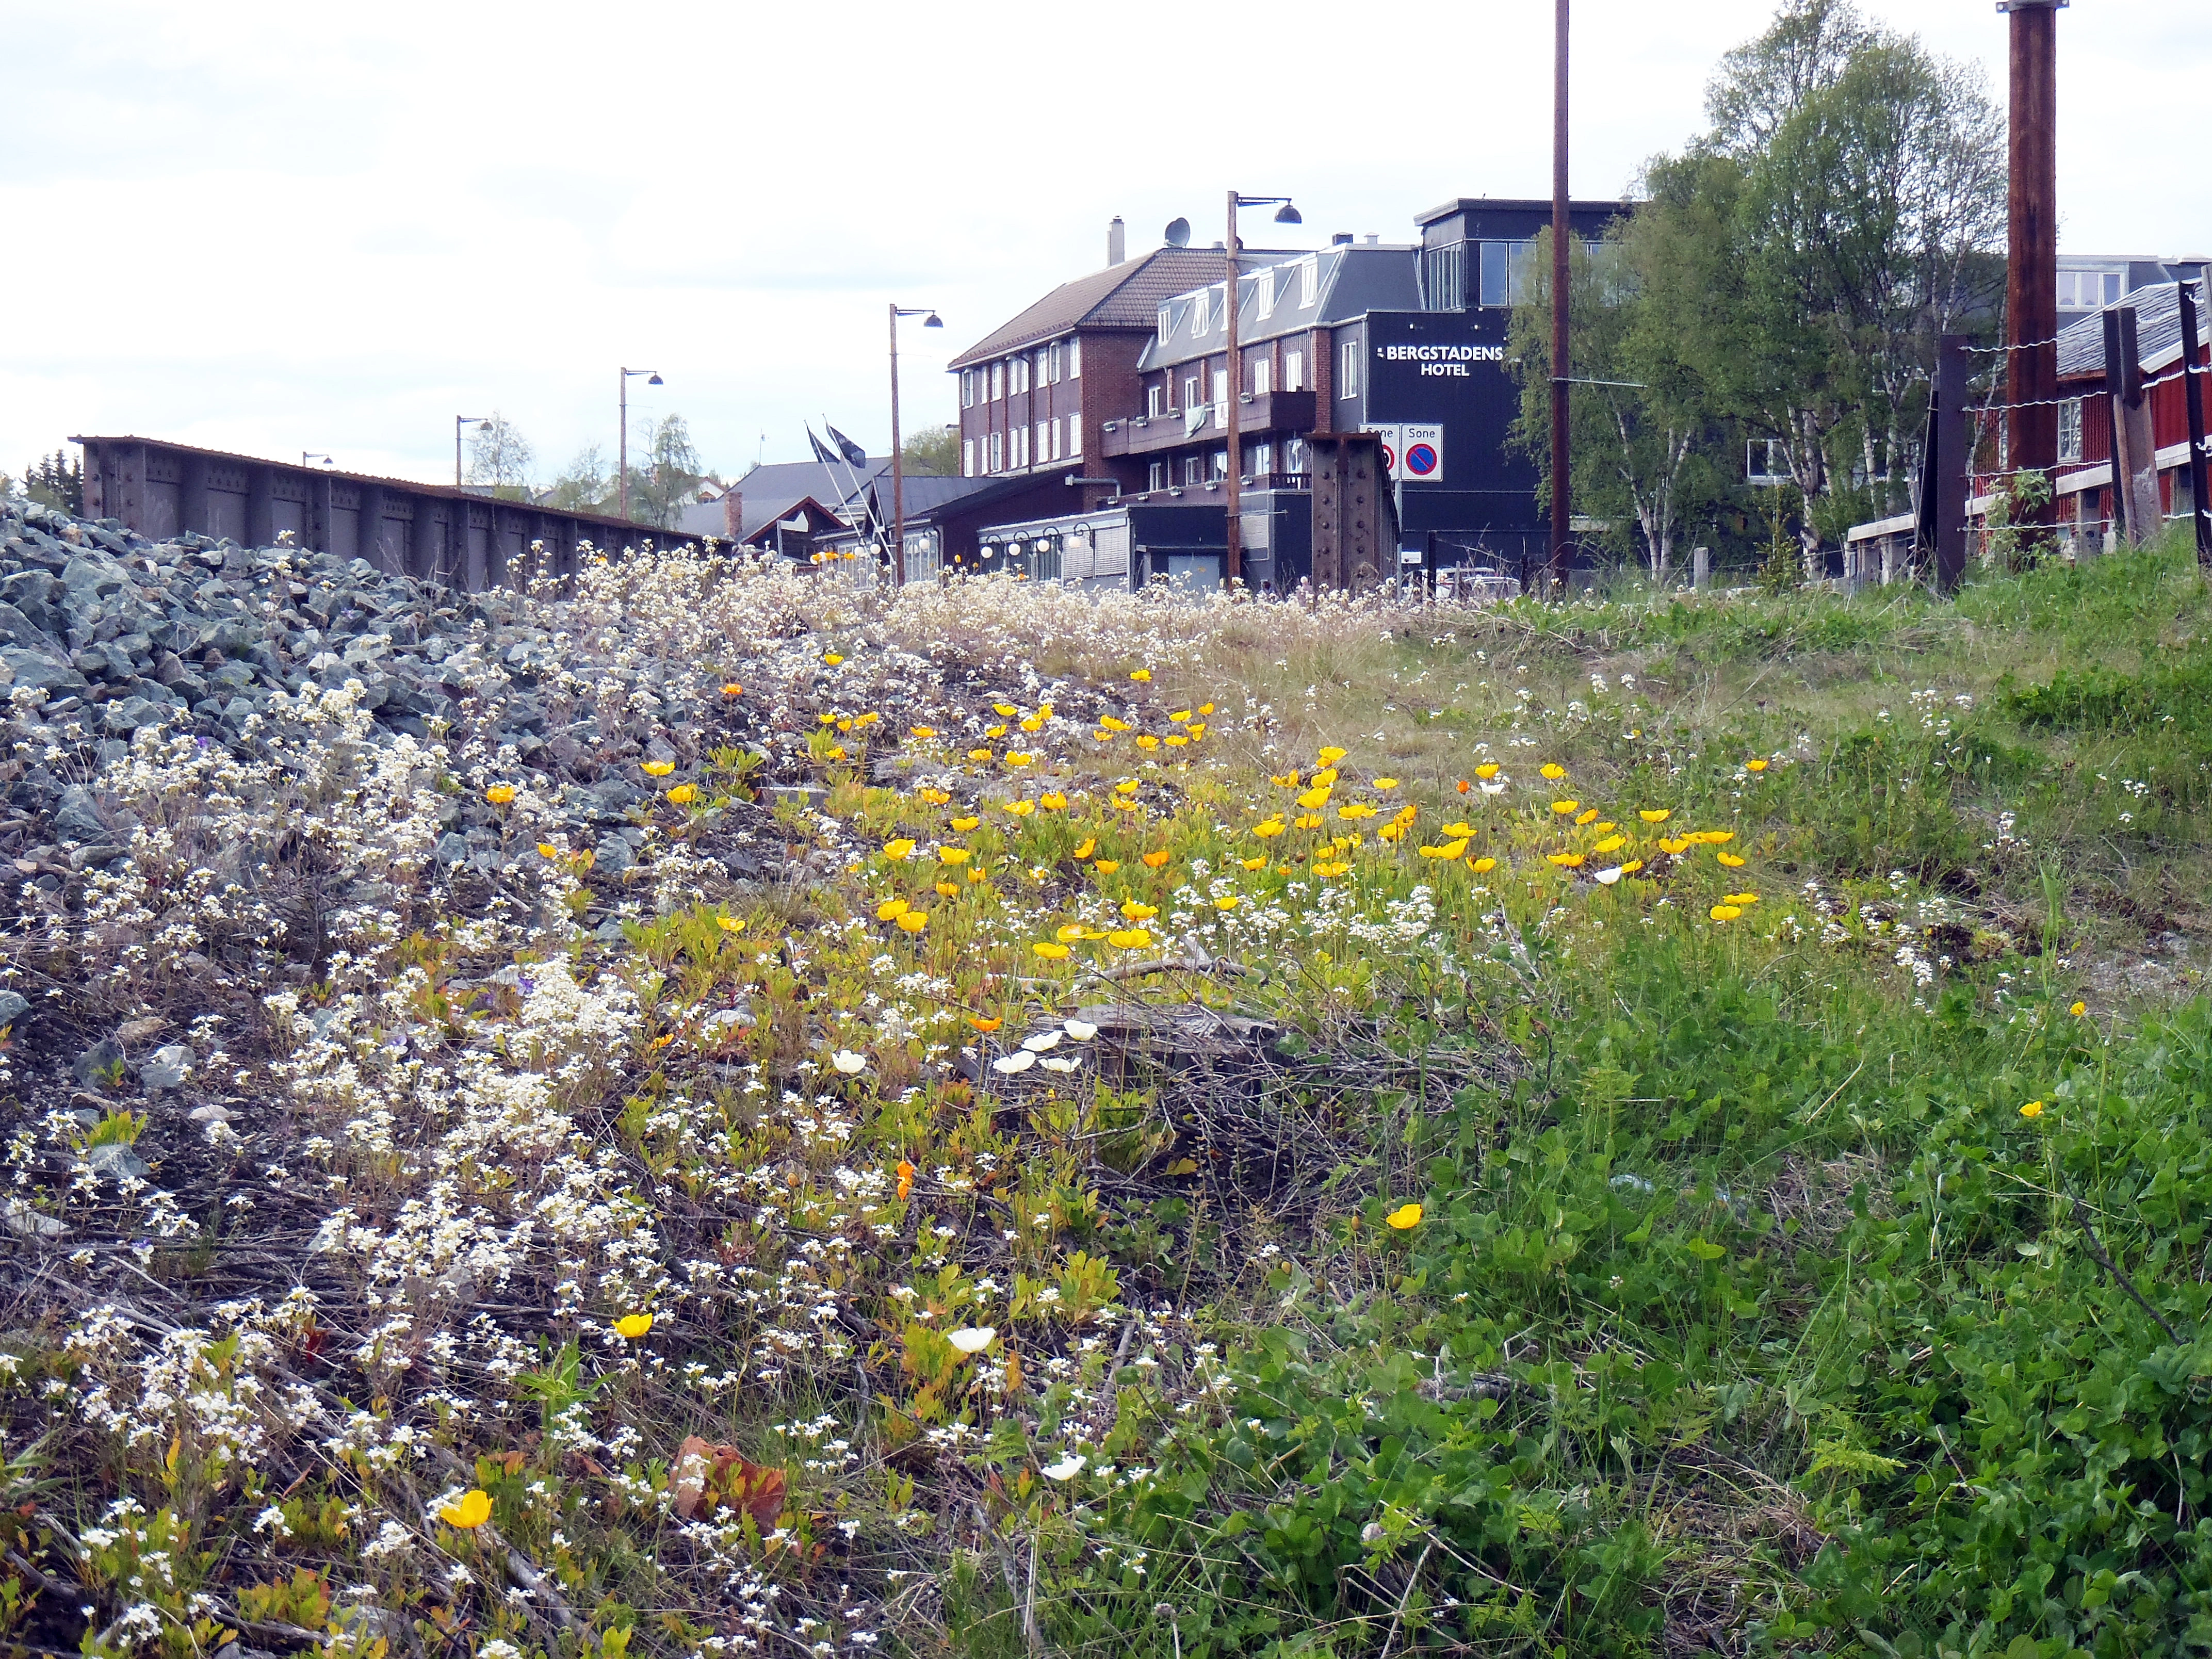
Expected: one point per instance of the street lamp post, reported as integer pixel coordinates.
(930, 319)
(622, 444)
(1233, 563)
(459, 421)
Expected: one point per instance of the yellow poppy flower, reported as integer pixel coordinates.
(1611, 844)
(1405, 1215)
(733, 690)
(903, 848)
(1459, 829)
(1740, 898)
(1127, 786)
(1488, 770)
(924, 731)
(1754, 766)
(1070, 933)
(1590, 817)
(1146, 741)
(500, 794)
(473, 1510)
(1053, 801)
(1131, 938)
(1256, 863)
(994, 731)
(1133, 911)
(1313, 799)
(1229, 903)
(546, 849)
(1287, 780)
(1380, 783)
(1480, 866)
(1113, 725)
(1017, 758)
(1656, 815)
(1677, 847)
(2079, 1009)
(963, 825)
(658, 768)
(1307, 821)
(1155, 858)
(892, 909)
(1566, 860)
(2033, 1108)
(831, 658)
(913, 922)
(953, 855)
(1450, 849)
(1107, 867)
(1049, 950)
(1006, 709)
(1566, 809)
(1021, 809)
(684, 794)
(1089, 845)
(731, 924)
(946, 890)
(1725, 912)
(1552, 771)
(979, 754)
(1731, 861)
(634, 1326)
(1141, 675)
(1331, 756)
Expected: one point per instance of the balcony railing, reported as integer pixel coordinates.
(1261, 413)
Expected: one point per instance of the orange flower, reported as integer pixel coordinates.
(985, 1026)
(1156, 860)
(1464, 786)
(733, 690)
(905, 1177)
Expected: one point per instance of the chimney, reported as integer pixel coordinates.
(734, 515)
(1342, 239)
(1117, 242)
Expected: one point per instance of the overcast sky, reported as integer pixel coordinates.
(271, 228)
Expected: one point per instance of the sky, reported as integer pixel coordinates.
(275, 228)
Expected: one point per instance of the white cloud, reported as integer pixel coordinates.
(261, 227)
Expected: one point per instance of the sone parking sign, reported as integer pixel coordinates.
(1421, 453)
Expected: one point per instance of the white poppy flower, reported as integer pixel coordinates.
(849, 1062)
(1066, 1469)
(1058, 1065)
(1020, 1060)
(1081, 1030)
(1038, 1044)
(1606, 878)
(1493, 788)
(971, 1339)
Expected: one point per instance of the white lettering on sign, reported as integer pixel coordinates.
(1441, 354)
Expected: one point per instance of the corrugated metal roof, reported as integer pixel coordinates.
(2158, 332)
(1120, 296)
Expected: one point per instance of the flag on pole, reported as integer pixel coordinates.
(822, 452)
(854, 455)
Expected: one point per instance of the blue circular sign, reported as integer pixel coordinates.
(1421, 460)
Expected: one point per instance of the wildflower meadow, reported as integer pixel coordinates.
(998, 1120)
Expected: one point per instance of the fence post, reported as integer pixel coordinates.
(2192, 385)
(2135, 453)
(1701, 568)
(1949, 462)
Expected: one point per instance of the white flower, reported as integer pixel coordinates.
(972, 1339)
(849, 1062)
(1066, 1469)
(1041, 1042)
(1020, 1060)
(1081, 1030)
(1066, 1065)
(1606, 878)
(1493, 788)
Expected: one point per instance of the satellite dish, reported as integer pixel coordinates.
(1177, 232)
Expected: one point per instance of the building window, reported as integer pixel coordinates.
(1263, 377)
(1021, 436)
(1261, 461)
(1443, 277)
(1294, 371)
(1156, 401)
(1047, 441)
(1017, 374)
(1190, 398)
(1193, 469)
(967, 388)
(1263, 293)
(1075, 435)
(1044, 374)
(1347, 377)
(1155, 475)
(997, 382)
(1053, 353)
(1220, 393)
(1294, 455)
(1503, 269)
(1309, 279)
(1075, 360)
(1220, 463)
(2069, 429)
(997, 452)
(967, 457)
(1167, 323)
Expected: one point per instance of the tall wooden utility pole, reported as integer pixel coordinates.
(2031, 250)
(1562, 505)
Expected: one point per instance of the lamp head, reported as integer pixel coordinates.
(656, 380)
(1287, 215)
(933, 321)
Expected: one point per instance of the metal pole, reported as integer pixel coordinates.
(1233, 524)
(1562, 491)
(457, 419)
(898, 470)
(2032, 251)
(621, 454)
(2193, 399)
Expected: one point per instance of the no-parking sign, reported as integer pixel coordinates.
(1393, 450)
(1421, 453)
